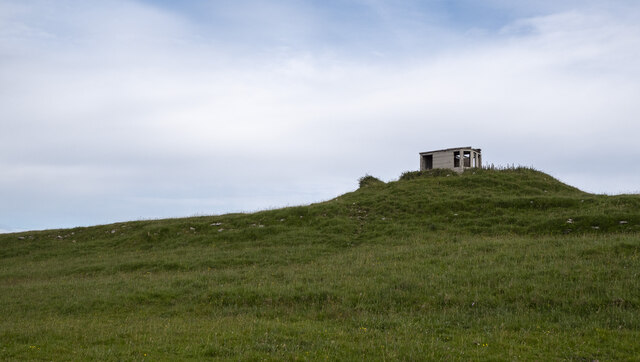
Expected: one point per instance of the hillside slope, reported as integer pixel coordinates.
(489, 264)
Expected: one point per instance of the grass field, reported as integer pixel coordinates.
(487, 265)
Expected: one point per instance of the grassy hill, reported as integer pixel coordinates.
(487, 265)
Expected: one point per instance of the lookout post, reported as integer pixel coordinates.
(457, 159)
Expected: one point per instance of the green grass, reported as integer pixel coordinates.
(487, 265)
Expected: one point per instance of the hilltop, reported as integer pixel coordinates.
(488, 264)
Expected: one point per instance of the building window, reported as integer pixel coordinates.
(456, 159)
(467, 158)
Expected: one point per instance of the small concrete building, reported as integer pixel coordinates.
(456, 159)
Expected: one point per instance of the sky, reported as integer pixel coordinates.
(142, 109)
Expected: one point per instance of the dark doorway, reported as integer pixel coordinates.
(428, 162)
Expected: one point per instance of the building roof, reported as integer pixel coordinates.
(454, 149)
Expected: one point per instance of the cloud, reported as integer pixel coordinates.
(120, 111)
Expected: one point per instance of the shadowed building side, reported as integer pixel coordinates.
(456, 159)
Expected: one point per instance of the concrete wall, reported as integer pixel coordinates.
(443, 159)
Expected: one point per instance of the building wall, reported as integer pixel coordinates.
(443, 159)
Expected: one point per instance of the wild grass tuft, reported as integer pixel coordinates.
(436, 172)
(369, 180)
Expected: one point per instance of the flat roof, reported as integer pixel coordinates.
(453, 149)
